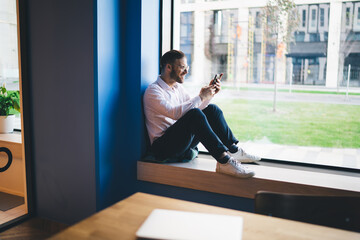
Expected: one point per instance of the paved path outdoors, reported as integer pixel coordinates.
(339, 157)
(290, 97)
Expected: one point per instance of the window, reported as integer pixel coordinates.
(347, 16)
(9, 65)
(326, 35)
(187, 35)
(299, 36)
(314, 37)
(304, 18)
(322, 17)
(186, 28)
(356, 18)
(257, 20)
(306, 126)
(313, 17)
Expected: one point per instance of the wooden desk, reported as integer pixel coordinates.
(122, 220)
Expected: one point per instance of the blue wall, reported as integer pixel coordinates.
(120, 124)
(108, 105)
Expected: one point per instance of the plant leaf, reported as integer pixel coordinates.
(16, 104)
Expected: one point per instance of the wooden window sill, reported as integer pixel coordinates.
(200, 174)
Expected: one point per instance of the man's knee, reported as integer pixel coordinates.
(195, 113)
(213, 108)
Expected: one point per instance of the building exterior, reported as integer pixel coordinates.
(228, 37)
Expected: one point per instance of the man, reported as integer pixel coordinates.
(176, 123)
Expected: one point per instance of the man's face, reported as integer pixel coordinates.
(179, 70)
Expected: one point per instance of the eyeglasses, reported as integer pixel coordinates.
(182, 67)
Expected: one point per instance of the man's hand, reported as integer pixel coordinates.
(207, 92)
(216, 83)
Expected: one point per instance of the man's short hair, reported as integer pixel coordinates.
(170, 57)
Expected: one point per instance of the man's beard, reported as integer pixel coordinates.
(176, 77)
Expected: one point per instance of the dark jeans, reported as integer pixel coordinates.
(207, 126)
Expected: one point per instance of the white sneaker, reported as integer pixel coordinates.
(242, 156)
(234, 168)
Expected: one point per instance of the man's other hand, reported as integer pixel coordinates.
(207, 92)
(216, 83)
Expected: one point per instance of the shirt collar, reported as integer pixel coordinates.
(164, 85)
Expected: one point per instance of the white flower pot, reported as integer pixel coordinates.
(7, 124)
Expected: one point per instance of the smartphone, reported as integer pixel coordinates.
(215, 79)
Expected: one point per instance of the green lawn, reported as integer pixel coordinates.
(294, 123)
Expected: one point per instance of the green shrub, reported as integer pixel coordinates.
(8, 100)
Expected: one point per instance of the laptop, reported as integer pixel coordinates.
(172, 224)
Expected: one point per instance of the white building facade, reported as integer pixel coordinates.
(228, 37)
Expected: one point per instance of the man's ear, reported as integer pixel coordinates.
(169, 67)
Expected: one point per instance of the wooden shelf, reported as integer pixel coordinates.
(200, 174)
(13, 142)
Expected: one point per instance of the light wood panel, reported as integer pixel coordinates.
(122, 220)
(12, 213)
(196, 176)
(11, 143)
(12, 180)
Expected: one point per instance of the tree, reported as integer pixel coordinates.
(282, 19)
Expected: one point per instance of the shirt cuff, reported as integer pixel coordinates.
(204, 104)
(196, 101)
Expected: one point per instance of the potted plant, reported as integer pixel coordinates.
(9, 100)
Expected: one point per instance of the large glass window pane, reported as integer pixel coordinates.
(13, 195)
(316, 116)
(9, 66)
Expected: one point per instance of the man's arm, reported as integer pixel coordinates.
(155, 100)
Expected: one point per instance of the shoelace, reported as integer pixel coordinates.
(237, 164)
(234, 162)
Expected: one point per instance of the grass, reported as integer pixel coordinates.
(300, 124)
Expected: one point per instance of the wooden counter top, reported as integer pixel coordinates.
(123, 219)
